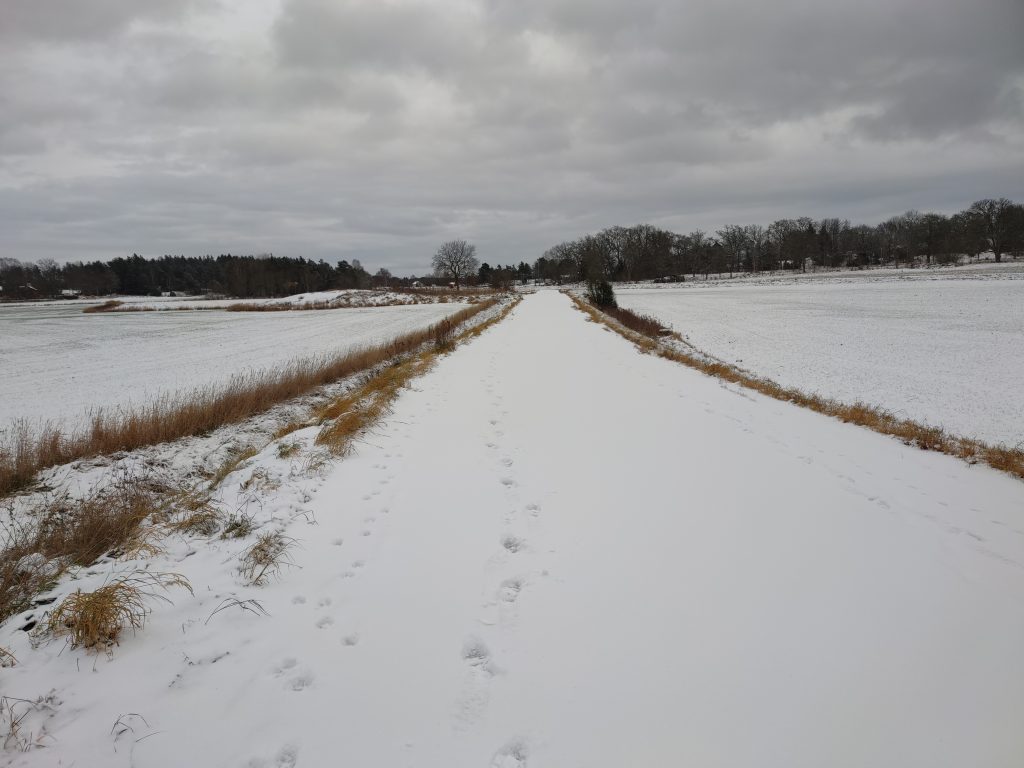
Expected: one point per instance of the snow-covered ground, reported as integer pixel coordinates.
(559, 552)
(948, 352)
(56, 362)
(337, 298)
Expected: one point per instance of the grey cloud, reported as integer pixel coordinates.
(368, 129)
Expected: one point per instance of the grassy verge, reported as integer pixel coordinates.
(927, 438)
(26, 449)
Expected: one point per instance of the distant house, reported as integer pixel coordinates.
(70, 293)
(417, 284)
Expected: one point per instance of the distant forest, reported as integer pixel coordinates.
(641, 252)
(645, 252)
(240, 276)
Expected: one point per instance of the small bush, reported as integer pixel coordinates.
(266, 557)
(601, 294)
(95, 620)
(444, 332)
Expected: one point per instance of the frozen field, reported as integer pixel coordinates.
(946, 352)
(57, 362)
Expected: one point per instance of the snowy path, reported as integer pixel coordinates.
(560, 552)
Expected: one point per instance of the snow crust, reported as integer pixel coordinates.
(947, 352)
(559, 552)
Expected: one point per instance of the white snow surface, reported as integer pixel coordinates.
(57, 362)
(557, 551)
(342, 298)
(947, 352)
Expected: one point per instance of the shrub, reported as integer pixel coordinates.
(601, 294)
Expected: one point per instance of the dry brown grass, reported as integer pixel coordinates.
(643, 324)
(25, 450)
(116, 521)
(266, 557)
(1010, 460)
(238, 525)
(106, 306)
(7, 659)
(95, 620)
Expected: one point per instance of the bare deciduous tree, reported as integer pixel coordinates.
(455, 259)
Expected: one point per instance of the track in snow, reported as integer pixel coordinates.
(560, 552)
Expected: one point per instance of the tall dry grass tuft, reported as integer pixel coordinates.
(25, 450)
(66, 532)
(95, 620)
(265, 558)
(925, 437)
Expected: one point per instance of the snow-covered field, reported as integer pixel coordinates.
(336, 299)
(947, 352)
(503, 576)
(56, 361)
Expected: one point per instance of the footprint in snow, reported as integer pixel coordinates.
(533, 509)
(325, 622)
(350, 640)
(507, 462)
(509, 590)
(508, 482)
(301, 681)
(287, 757)
(476, 653)
(299, 600)
(323, 602)
(512, 755)
(512, 543)
(338, 542)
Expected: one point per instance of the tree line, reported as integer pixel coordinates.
(238, 276)
(644, 252)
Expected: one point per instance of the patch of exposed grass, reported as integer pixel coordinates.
(26, 449)
(238, 526)
(95, 620)
(1010, 460)
(288, 448)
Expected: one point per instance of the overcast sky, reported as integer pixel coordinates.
(375, 129)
